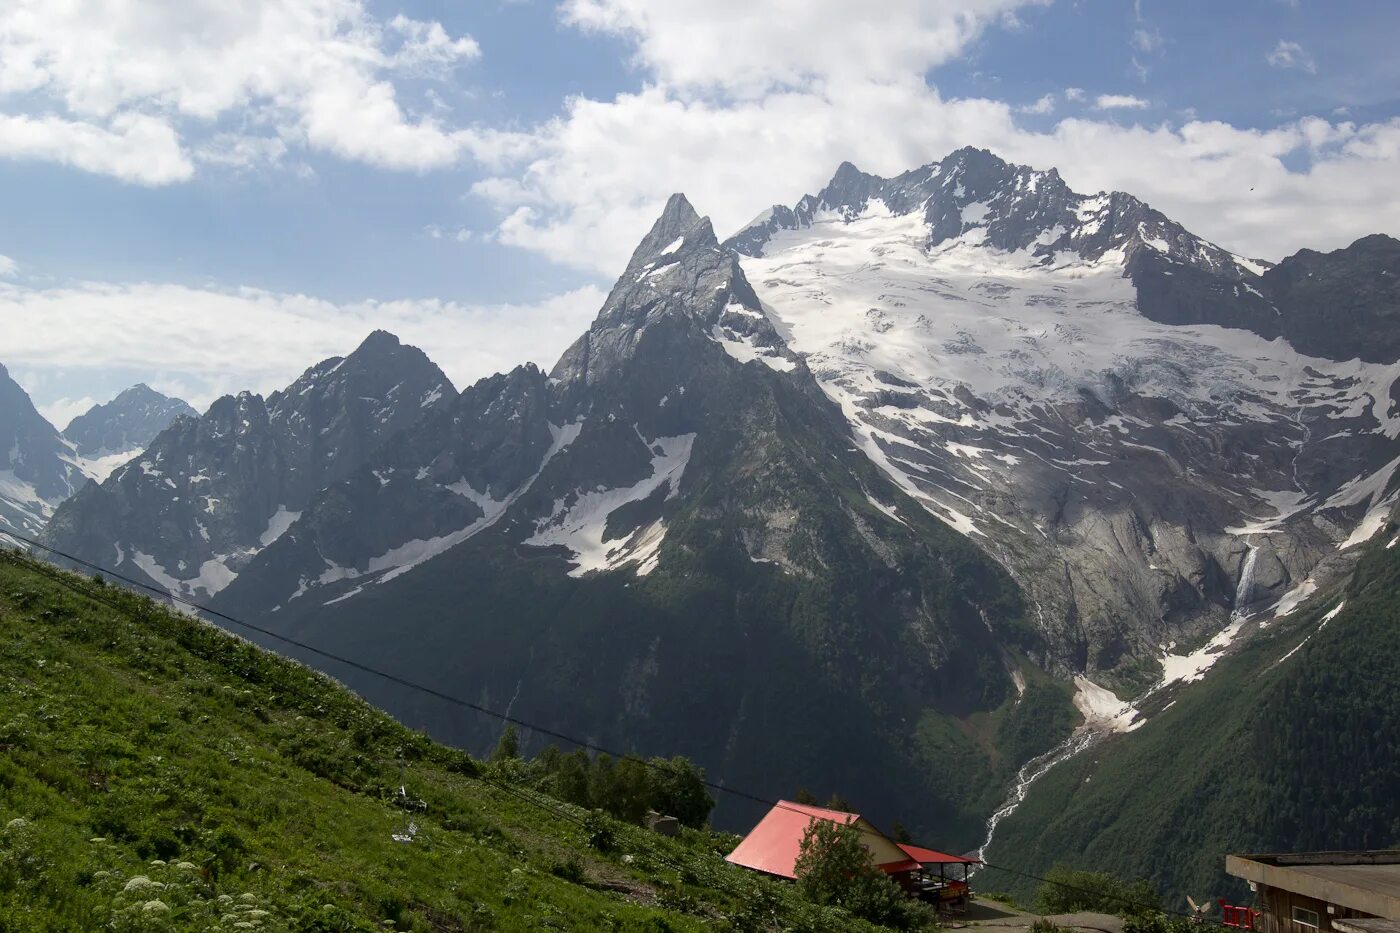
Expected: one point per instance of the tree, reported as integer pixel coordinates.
(835, 868)
(678, 789)
(569, 780)
(508, 747)
(1066, 891)
(837, 802)
(900, 834)
(631, 787)
(805, 797)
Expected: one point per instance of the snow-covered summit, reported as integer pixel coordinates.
(973, 193)
(1095, 394)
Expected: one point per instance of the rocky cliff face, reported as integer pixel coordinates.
(37, 469)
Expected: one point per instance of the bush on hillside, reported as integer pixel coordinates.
(835, 868)
(1068, 891)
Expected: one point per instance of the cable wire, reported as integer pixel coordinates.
(526, 724)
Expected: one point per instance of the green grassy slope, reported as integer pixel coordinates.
(1267, 753)
(159, 774)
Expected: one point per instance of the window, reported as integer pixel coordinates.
(1305, 917)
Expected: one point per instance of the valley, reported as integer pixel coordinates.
(925, 491)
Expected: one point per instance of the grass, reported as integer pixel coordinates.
(159, 774)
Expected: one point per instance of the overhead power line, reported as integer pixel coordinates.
(526, 724)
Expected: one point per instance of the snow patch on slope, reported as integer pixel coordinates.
(581, 525)
(1101, 709)
(277, 525)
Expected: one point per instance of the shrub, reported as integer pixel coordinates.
(1066, 891)
(835, 868)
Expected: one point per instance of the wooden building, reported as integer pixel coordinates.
(774, 844)
(1319, 892)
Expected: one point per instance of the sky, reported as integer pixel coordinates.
(209, 197)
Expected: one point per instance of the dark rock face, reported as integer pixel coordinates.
(37, 469)
(1343, 304)
(210, 492)
(125, 424)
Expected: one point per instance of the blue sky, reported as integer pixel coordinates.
(210, 199)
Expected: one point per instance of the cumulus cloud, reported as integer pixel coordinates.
(133, 147)
(1044, 105)
(1291, 55)
(748, 48)
(61, 411)
(1119, 102)
(128, 82)
(178, 339)
(8, 266)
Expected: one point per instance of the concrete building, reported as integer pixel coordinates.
(1319, 892)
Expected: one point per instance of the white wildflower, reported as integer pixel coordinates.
(142, 883)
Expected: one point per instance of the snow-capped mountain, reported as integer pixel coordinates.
(108, 435)
(1119, 411)
(37, 468)
(912, 450)
(668, 541)
(210, 492)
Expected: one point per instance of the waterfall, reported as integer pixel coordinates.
(1245, 589)
(1086, 736)
(1030, 771)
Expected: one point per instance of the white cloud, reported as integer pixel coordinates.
(61, 411)
(240, 152)
(1119, 102)
(133, 147)
(1074, 93)
(1291, 55)
(121, 85)
(1146, 40)
(749, 48)
(8, 267)
(1041, 107)
(178, 338)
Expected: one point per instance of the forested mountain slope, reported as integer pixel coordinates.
(1290, 744)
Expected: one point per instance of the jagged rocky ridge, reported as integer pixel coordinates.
(667, 543)
(210, 492)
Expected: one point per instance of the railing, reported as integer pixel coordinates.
(1241, 918)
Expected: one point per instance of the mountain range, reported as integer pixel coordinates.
(889, 493)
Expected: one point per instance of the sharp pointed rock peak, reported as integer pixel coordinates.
(679, 228)
(379, 341)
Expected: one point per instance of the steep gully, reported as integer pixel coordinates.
(1091, 732)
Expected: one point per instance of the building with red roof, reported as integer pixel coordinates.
(773, 846)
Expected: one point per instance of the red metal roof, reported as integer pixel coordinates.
(933, 857)
(774, 844)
